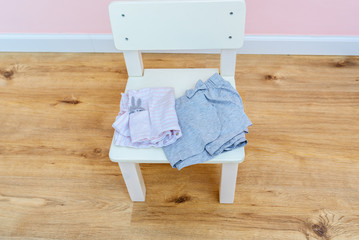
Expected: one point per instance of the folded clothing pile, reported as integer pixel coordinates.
(207, 121)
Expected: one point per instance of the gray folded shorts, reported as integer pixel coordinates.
(212, 121)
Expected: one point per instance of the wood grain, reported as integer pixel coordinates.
(299, 179)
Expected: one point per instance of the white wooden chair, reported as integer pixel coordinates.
(175, 25)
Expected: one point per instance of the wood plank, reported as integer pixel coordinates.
(299, 179)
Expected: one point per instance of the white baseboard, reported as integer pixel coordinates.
(253, 44)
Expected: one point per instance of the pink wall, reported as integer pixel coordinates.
(283, 17)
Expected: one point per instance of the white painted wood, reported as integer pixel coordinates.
(186, 24)
(181, 80)
(228, 182)
(156, 155)
(253, 44)
(131, 173)
(164, 25)
(228, 62)
(134, 63)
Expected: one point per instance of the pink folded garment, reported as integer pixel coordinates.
(147, 118)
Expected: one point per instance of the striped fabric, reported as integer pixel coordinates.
(147, 118)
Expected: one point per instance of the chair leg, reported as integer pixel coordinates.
(131, 173)
(228, 182)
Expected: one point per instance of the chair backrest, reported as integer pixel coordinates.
(177, 25)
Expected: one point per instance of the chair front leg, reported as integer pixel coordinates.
(131, 173)
(228, 182)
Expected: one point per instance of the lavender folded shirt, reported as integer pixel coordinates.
(147, 118)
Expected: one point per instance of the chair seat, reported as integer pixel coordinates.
(181, 80)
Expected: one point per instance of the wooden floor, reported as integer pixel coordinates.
(300, 178)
